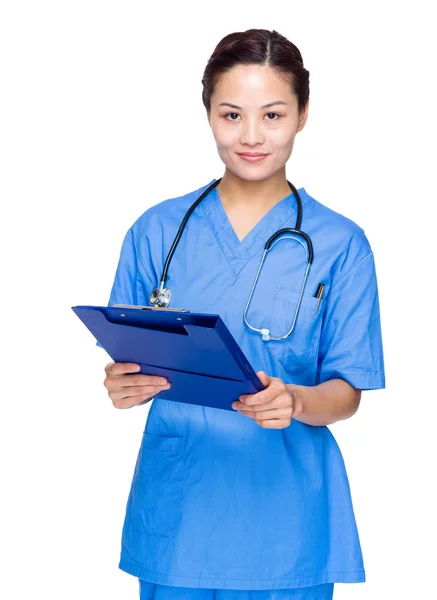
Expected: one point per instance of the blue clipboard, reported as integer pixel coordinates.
(196, 352)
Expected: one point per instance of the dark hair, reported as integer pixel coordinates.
(257, 47)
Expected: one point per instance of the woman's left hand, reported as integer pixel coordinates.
(272, 408)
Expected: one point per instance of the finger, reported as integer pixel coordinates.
(129, 401)
(265, 379)
(133, 401)
(277, 402)
(274, 423)
(273, 390)
(275, 413)
(140, 390)
(134, 380)
(108, 367)
(119, 368)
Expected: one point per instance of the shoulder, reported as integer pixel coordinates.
(345, 240)
(317, 211)
(167, 212)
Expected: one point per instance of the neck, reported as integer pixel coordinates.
(262, 194)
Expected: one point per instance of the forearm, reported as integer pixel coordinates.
(326, 403)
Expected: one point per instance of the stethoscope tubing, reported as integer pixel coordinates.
(162, 296)
(268, 243)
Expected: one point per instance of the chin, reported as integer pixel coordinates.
(252, 172)
(249, 175)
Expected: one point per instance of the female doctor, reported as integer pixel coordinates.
(254, 502)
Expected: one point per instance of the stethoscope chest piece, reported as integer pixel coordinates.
(160, 297)
(265, 334)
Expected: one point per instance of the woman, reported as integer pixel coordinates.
(253, 503)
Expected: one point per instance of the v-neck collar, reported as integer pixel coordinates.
(239, 252)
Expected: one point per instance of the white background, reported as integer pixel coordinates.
(101, 117)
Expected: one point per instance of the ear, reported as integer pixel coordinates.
(303, 116)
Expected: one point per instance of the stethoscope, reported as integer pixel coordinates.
(160, 297)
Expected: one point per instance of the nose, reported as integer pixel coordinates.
(251, 132)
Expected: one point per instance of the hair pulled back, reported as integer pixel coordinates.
(257, 47)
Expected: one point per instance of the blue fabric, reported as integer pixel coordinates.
(216, 500)
(154, 591)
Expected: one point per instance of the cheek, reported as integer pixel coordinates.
(225, 136)
(282, 140)
(225, 139)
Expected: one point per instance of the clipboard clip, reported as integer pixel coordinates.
(154, 308)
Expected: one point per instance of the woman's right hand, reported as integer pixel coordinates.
(127, 389)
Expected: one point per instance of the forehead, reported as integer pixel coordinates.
(253, 84)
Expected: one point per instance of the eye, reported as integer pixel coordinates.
(232, 113)
(272, 113)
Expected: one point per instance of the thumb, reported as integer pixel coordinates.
(265, 379)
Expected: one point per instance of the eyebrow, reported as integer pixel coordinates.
(265, 105)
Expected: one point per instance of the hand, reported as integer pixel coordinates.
(272, 408)
(127, 388)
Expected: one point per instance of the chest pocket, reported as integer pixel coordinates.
(300, 348)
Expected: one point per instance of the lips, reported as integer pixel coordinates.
(252, 157)
(251, 154)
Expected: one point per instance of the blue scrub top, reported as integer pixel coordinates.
(216, 500)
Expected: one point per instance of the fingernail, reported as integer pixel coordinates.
(162, 381)
(135, 368)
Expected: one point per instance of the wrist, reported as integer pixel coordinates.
(296, 394)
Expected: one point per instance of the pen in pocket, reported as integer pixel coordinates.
(319, 294)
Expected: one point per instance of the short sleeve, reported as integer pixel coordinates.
(351, 341)
(133, 279)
